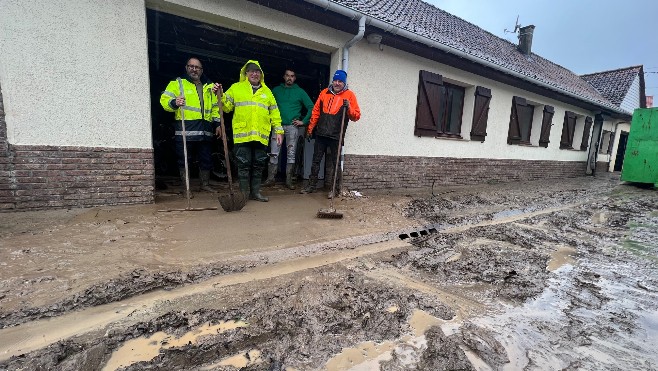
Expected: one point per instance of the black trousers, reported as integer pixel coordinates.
(201, 150)
(328, 148)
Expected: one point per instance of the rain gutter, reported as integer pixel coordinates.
(395, 30)
(355, 39)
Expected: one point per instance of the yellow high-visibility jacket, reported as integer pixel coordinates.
(200, 123)
(256, 114)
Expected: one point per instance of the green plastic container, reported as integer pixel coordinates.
(641, 158)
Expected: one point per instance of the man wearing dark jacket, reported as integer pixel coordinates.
(326, 122)
(192, 97)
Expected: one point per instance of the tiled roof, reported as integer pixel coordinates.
(435, 24)
(613, 85)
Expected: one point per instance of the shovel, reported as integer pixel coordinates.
(331, 212)
(187, 172)
(232, 201)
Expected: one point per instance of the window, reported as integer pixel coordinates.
(606, 142)
(571, 125)
(440, 107)
(520, 125)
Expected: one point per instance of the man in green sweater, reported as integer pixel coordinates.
(290, 99)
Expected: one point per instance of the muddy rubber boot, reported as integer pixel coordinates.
(244, 186)
(181, 171)
(255, 189)
(205, 181)
(290, 171)
(310, 187)
(271, 175)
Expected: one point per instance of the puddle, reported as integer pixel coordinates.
(147, 348)
(250, 358)
(562, 256)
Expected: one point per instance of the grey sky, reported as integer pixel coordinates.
(584, 36)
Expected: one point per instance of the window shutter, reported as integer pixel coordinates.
(514, 133)
(546, 123)
(588, 126)
(611, 142)
(480, 113)
(429, 100)
(567, 130)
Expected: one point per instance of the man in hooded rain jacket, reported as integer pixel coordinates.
(193, 94)
(256, 115)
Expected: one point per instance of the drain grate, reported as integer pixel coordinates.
(418, 233)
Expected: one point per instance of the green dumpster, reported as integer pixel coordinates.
(641, 158)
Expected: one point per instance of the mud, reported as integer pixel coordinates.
(513, 276)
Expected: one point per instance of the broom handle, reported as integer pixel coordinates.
(339, 148)
(182, 120)
(220, 93)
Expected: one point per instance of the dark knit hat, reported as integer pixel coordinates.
(340, 75)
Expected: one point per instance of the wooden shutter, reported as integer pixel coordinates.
(567, 130)
(611, 142)
(546, 123)
(480, 113)
(514, 133)
(429, 100)
(588, 126)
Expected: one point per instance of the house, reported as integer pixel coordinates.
(443, 101)
(625, 88)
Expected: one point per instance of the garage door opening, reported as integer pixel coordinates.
(174, 39)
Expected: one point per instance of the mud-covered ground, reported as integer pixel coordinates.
(515, 276)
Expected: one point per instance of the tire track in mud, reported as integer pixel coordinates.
(37, 334)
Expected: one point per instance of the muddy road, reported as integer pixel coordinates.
(514, 276)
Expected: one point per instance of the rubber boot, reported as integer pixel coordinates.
(181, 171)
(255, 189)
(290, 171)
(271, 175)
(205, 181)
(244, 186)
(312, 184)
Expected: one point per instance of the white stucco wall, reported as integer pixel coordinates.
(386, 83)
(75, 73)
(258, 20)
(632, 99)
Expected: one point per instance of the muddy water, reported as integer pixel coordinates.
(146, 348)
(568, 283)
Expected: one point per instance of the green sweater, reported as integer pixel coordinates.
(290, 101)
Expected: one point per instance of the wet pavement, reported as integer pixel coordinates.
(512, 276)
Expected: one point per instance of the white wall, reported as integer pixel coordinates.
(632, 99)
(386, 84)
(75, 73)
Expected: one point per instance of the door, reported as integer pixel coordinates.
(621, 150)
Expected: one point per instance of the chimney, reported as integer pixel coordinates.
(525, 39)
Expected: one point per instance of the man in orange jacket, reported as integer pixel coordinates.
(326, 122)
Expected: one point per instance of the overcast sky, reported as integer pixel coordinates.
(584, 36)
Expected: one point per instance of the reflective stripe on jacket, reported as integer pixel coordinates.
(200, 123)
(256, 114)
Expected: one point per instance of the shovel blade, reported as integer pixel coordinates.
(233, 201)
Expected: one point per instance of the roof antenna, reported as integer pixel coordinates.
(516, 27)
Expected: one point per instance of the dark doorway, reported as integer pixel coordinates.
(621, 151)
(223, 52)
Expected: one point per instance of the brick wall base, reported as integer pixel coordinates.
(601, 167)
(39, 177)
(379, 172)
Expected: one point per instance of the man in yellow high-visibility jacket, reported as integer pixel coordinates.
(256, 115)
(194, 95)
